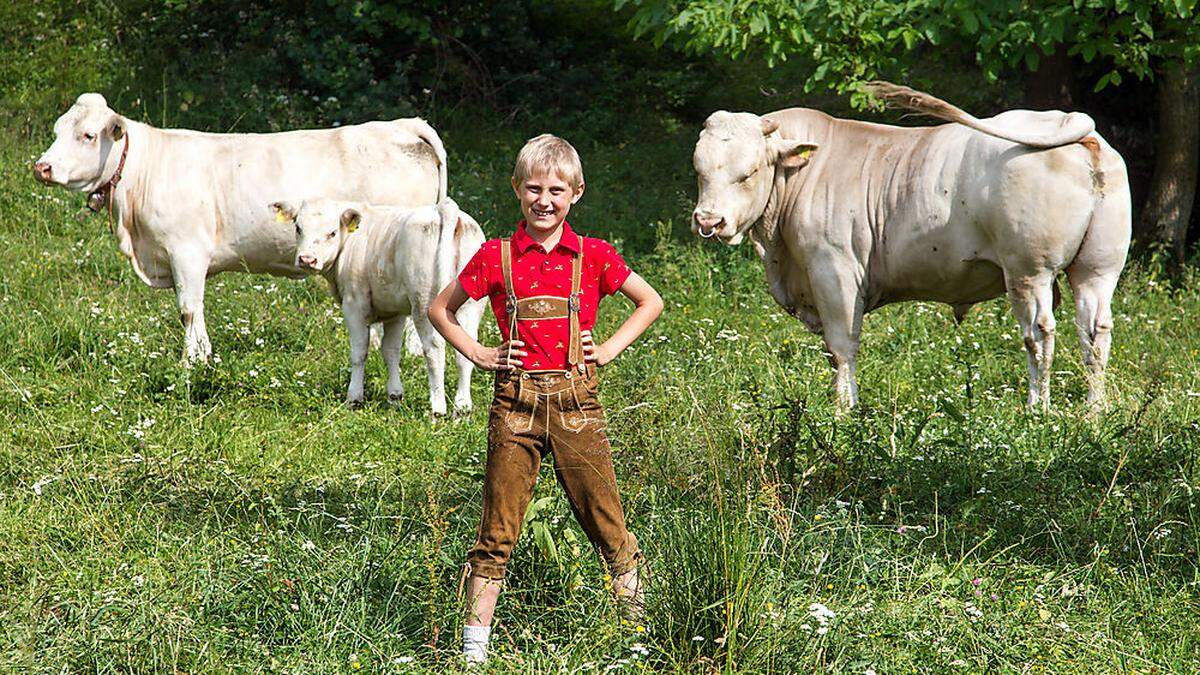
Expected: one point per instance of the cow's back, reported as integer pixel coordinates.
(212, 190)
(933, 213)
(391, 258)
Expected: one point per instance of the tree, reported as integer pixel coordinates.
(852, 41)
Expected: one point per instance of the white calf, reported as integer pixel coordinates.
(387, 264)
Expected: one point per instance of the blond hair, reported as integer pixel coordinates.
(548, 154)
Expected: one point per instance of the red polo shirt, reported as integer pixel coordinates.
(538, 272)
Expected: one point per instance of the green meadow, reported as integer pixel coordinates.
(237, 517)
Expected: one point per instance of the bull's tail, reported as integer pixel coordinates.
(427, 133)
(1075, 126)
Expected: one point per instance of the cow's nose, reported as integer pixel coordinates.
(307, 261)
(42, 171)
(707, 224)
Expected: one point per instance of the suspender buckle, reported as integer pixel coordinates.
(573, 302)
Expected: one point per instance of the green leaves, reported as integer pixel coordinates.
(1111, 77)
(849, 41)
(969, 22)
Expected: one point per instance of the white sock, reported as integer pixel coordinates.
(475, 643)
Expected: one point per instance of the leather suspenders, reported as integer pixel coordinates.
(545, 306)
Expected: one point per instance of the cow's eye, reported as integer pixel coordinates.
(331, 235)
(747, 176)
(89, 137)
(297, 229)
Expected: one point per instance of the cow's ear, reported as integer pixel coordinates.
(794, 154)
(284, 212)
(116, 127)
(350, 219)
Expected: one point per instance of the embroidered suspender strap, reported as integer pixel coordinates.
(545, 306)
(575, 354)
(509, 294)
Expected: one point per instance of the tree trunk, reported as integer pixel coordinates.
(1051, 86)
(1168, 208)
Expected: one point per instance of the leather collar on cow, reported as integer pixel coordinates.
(102, 195)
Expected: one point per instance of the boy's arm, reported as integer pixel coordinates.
(441, 315)
(647, 306)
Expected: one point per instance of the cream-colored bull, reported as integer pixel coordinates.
(188, 205)
(849, 216)
(387, 264)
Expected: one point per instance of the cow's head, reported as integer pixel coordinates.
(321, 228)
(85, 152)
(735, 161)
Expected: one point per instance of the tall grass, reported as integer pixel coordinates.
(238, 517)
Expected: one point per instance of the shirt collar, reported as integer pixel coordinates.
(569, 240)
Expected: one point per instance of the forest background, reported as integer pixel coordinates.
(237, 517)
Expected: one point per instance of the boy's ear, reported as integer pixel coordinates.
(578, 193)
(350, 219)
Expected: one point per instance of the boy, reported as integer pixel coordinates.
(545, 283)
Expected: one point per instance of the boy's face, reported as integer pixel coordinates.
(546, 200)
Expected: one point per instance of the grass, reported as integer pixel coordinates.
(237, 517)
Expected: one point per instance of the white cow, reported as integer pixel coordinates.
(387, 264)
(189, 205)
(849, 216)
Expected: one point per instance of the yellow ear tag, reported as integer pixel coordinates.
(281, 217)
(805, 153)
(352, 226)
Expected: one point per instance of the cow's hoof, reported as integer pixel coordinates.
(463, 410)
(355, 403)
(395, 400)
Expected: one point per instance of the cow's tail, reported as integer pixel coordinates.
(426, 133)
(1074, 127)
(445, 265)
(444, 260)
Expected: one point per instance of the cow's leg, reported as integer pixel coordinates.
(433, 347)
(392, 346)
(189, 270)
(469, 317)
(1094, 324)
(840, 307)
(1032, 299)
(360, 341)
(1093, 276)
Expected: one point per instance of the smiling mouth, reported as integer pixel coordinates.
(538, 213)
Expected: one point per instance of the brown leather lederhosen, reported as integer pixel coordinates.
(558, 412)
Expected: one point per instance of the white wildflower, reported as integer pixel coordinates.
(43, 482)
(821, 613)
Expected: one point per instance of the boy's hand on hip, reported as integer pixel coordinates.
(507, 356)
(594, 353)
